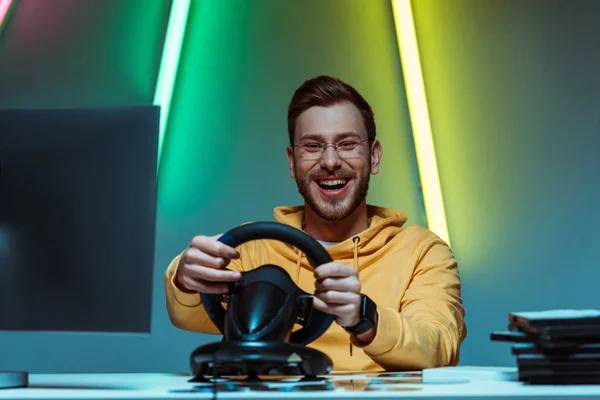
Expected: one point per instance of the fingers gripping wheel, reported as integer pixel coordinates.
(314, 322)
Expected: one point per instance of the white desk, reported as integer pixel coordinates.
(447, 383)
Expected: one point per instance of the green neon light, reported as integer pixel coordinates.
(169, 63)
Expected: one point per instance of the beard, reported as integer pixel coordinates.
(339, 208)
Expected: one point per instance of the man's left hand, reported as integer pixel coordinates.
(338, 292)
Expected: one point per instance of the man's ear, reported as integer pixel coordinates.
(375, 156)
(290, 158)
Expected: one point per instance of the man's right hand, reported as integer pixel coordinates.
(200, 269)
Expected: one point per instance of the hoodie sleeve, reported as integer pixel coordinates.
(427, 330)
(185, 309)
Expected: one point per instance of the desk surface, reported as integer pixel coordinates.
(449, 383)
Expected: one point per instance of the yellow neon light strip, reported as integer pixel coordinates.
(419, 115)
(169, 64)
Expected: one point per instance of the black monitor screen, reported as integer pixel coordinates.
(77, 219)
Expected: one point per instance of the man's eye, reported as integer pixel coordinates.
(347, 145)
(312, 146)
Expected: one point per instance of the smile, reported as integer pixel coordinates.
(332, 187)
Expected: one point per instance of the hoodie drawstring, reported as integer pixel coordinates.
(298, 266)
(356, 240)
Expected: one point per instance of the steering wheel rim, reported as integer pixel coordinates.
(316, 254)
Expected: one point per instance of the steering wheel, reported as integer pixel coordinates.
(317, 322)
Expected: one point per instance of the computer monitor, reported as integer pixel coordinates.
(77, 218)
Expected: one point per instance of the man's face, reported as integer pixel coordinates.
(333, 183)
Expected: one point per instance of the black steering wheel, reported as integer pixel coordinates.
(317, 322)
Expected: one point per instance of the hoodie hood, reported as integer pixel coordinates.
(361, 250)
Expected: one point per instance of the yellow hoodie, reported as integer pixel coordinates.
(410, 273)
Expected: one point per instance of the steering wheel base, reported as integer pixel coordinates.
(234, 358)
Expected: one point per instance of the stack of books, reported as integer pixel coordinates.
(555, 347)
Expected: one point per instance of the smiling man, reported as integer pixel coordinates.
(394, 289)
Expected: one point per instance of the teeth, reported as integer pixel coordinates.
(333, 183)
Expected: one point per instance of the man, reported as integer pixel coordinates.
(407, 276)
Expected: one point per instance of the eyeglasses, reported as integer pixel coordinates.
(345, 148)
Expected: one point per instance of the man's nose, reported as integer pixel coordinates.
(331, 159)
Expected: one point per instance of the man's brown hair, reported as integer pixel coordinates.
(325, 91)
